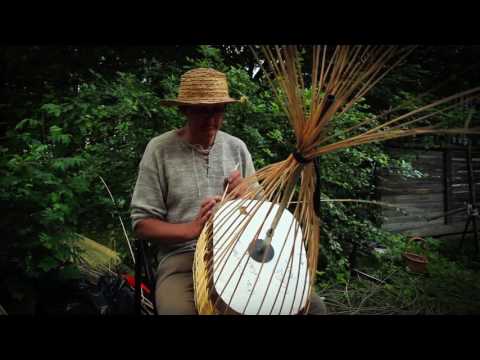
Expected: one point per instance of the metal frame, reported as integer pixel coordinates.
(143, 273)
(472, 208)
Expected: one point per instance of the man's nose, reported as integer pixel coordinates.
(212, 118)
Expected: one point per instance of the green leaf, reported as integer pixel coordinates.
(48, 263)
(27, 122)
(52, 109)
(55, 132)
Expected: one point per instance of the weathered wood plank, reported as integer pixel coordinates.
(414, 189)
(413, 181)
(414, 220)
(438, 197)
(443, 187)
(413, 211)
(416, 227)
(432, 230)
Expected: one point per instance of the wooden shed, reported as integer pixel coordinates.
(442, 188)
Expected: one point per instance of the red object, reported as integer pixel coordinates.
(131, 281)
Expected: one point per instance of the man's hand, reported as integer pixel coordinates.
(205, 212)
(234, 181)
(236, 184)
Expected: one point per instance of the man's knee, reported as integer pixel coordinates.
(317, 305)
(174, 295)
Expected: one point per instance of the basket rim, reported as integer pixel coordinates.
(421, 259)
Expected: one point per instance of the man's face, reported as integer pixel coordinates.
(205, 120)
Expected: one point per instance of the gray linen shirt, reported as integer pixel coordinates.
(174, 178)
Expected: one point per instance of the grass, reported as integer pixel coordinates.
(451, 286)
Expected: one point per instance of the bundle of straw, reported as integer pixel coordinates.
(340, 77)
(96, 259)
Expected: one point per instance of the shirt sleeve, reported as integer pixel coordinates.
(148, 200)
(247, 163)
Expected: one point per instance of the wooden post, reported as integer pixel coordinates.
(447, 173)
(472, 193)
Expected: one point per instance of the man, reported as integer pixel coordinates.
(182, 175)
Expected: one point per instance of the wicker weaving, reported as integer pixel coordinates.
(244, 265)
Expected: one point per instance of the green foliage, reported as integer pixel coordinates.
(39, 193)
(50, 185)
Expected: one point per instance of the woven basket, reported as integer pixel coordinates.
(416, 262)
(209, 302)
(202, 273)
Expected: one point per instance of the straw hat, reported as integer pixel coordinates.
(202, 86)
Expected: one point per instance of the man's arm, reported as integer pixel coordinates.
(155, 229)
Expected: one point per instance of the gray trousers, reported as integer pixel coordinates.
(174, 294)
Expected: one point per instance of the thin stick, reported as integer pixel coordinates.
(120, 218)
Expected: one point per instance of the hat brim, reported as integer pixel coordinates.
(175, 102)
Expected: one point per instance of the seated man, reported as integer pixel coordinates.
(181, 177)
